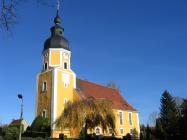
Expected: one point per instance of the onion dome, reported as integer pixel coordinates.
(57, 39)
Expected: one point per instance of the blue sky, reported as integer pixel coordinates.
(139, 45)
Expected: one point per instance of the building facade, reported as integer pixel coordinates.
(57, 84)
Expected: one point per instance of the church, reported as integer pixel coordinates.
(57, 84)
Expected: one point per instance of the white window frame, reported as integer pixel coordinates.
(45, 113)
(66, 65)
(131, 133)
(130, 118)
(110, 129)
(65, 100)
(121, 119)
(44, 86)
(122, 130)
(45, 68)
(99, 131)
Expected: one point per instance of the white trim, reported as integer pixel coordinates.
(100, 130)
(36, 103)
(44, 110)
(65, 100)
(44, 66)
(138, 123)
(130, 131)
(109, 131)
(44, 90)
(120, 131)
(74, 81)
(49, 58)
(119, 117)
(54, 99)
(67, 66)
(61, 57)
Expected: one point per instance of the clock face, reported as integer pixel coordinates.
(66, 56)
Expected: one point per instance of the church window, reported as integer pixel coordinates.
(65, 100)
(110, 131)
(121, 118)
(121, 131)
(44, 113)
(65, 85)
(130, 118)
(44, 86)
(45, 66)
(131, 131)
(97, 131)
(65, 66)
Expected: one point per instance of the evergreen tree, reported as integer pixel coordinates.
(169, 116)
(183, 120)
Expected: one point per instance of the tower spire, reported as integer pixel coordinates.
(57, 19)
(58, 6)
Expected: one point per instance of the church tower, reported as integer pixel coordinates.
(56, 81)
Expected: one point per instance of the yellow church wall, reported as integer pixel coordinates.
(44, 97)
(76, 97)
(126, 126)
(64, 90)
(55, 57)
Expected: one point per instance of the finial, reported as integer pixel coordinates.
(58, 5)
(57, 19)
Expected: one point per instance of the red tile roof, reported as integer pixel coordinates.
(16, 122)
(88, 89)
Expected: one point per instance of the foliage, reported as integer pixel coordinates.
(169, 116)
(127, 137)
(40, 124)
(183, 120)
(40, 127)
(135, 134)
(8, 15)
(11, 133)
(87, 114)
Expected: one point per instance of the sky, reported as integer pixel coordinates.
(139, 45)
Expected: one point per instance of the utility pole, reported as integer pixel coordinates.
(21, 116)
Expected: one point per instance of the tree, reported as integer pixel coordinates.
(113, 85)
(8, 11)
(135, 134)
(11, 133)
(39, 127)
(169, 115)
(152, 118)
(183, 120)
(87, 114)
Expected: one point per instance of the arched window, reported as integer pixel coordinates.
(121, 130)
(45, 66)
(44, 113)
(65, 65)
(44, 86)
(97, 131)
(130, 118)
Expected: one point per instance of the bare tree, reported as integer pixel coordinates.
(152, 118)
(113, 85)
(8, 14)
